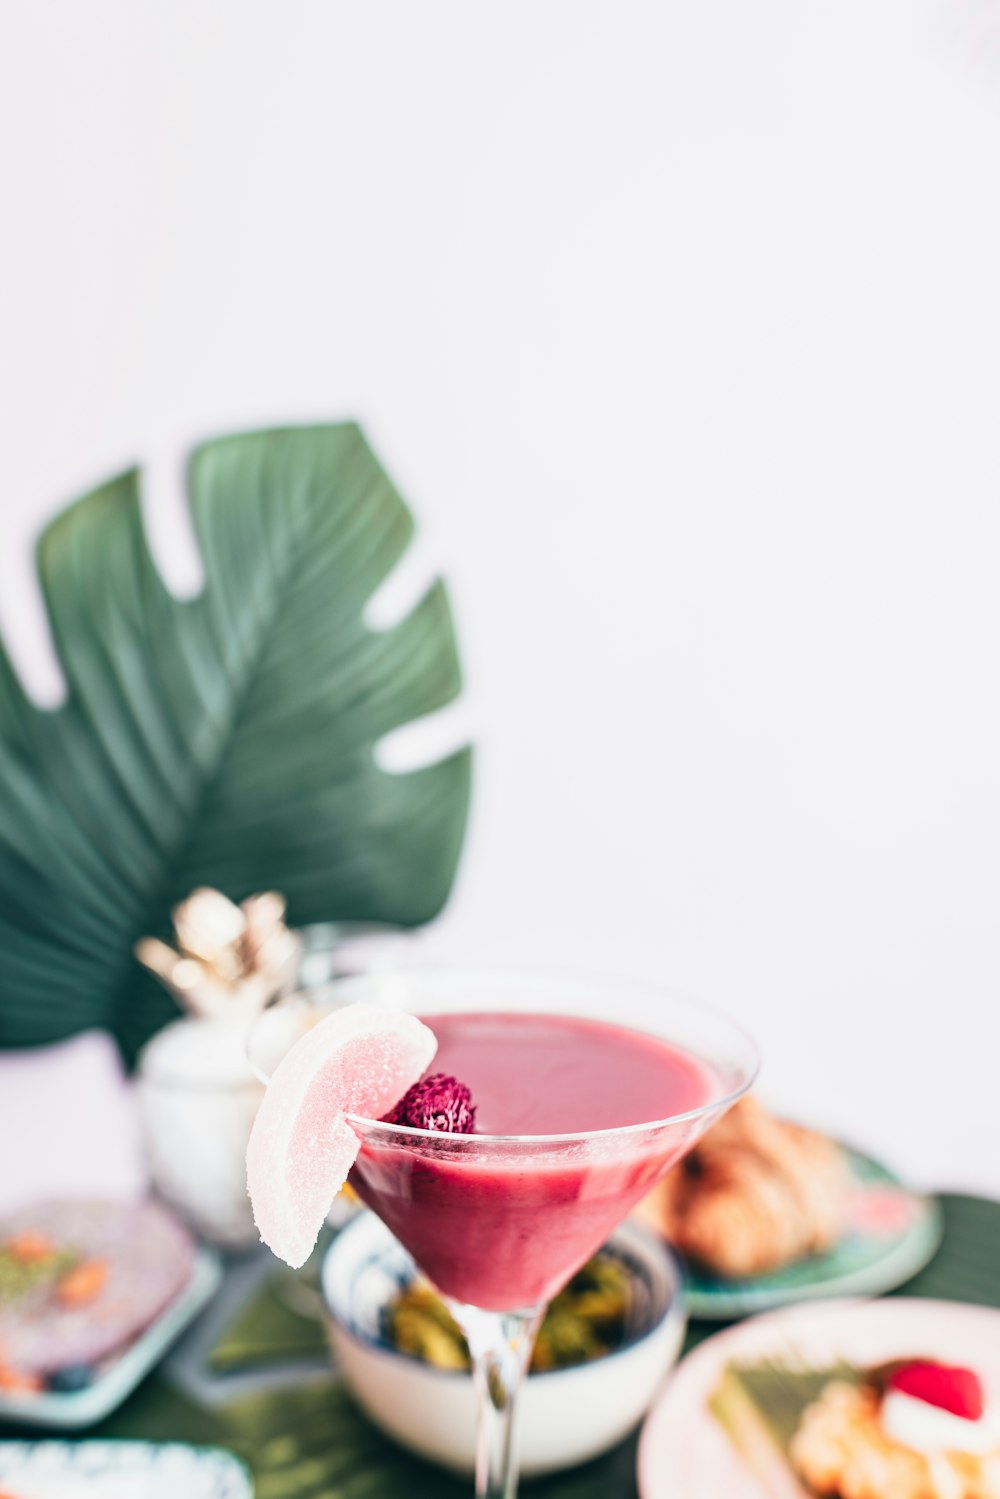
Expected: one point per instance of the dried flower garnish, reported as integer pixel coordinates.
(439, 1102)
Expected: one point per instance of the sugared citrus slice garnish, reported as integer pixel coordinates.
(359, 1060)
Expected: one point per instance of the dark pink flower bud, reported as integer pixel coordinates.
(439, 1102)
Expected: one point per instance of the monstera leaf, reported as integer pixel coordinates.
(225, 740)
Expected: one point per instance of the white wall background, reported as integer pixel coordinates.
(679, 323)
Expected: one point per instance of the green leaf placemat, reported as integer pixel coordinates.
(266, 1331)
(967, 1266)
(311, 1442)
(314, 1444)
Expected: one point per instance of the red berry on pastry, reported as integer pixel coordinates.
(943, 1385)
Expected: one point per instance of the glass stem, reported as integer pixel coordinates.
(500, 1344)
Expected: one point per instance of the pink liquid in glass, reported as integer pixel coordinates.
(501, 1225)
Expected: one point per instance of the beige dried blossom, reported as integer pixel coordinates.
(230, 961)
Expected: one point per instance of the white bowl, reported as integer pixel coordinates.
(567, 1415)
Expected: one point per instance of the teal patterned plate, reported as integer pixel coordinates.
(122, 1470)
(891, 1233)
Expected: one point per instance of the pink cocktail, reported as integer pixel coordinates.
(585, 1093)
(506, 1226)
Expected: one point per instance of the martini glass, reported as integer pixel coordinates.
(499, 1221)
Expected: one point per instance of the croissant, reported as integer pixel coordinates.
(754, 1195)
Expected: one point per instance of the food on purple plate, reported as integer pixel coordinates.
(79, 1282)
(753, 1195)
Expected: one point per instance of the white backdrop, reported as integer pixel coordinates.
(679, 323)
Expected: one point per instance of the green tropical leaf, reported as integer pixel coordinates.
(225, 740)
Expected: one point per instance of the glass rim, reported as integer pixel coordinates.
(412, 1135)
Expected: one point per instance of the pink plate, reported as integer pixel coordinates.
(685, 1454)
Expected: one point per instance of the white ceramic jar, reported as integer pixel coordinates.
(198, 1098)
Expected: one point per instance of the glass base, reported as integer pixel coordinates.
(500, 1344)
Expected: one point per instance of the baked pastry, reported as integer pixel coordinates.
(913, 1429)
(754, 1194)
(920, 1433)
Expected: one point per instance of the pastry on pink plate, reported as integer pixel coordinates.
(912, 1428)
(916, 1429)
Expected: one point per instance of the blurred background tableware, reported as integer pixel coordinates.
(569, 1415)
(121, 1470)
(92, 1294)
(889, 1233)
(332, 950)
(198, 1098)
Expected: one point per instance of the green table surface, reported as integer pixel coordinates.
(311, 1442)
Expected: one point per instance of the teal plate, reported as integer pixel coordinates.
(891, 1233)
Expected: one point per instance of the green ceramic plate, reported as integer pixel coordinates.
(890, 1235)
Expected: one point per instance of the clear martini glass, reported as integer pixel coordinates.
(499, 1222)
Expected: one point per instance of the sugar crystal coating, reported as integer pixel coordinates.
(356, 1061)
